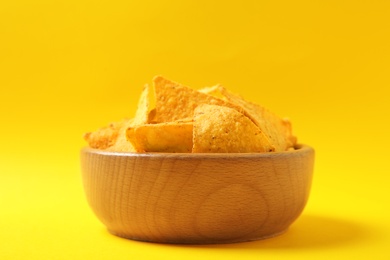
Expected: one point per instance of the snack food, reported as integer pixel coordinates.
(209, 120)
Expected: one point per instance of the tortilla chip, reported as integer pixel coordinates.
(278, 130)
(219, 129)
(175, 101)
(121, 144)
(213, 91)
(152, 116)
(104, 137)
(142, 114)
(172, 137)
(211, 119)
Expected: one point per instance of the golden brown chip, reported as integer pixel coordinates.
(211, 119)
(172, 137)
(175, 101)
(214, 91)
(152, 116)
(219, 129)
(103, 137)
(121, 144)
(277, 130)
(142, 114)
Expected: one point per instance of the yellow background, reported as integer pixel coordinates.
(68, 67)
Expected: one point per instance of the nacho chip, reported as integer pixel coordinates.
(214, 91)
(219, 129)
(211, 119)
(121, 144)
(175, 101)
(142, 114)
(103, 137)
(278, 130)
(111, 137)
(172, 137)
(152, 116)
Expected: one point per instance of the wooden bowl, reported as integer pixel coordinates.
(197, 198)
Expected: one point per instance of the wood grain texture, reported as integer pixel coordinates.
(197, 198)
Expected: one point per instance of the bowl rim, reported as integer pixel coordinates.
(298, 149)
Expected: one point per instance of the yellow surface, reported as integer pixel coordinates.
(67, 67)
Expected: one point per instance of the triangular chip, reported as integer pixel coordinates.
(172, 137)
(142, 114)
(214, 91)
(111, 137)
(152, 116)
(121, 144)
(219, 129)
(278, 130)
(103, 137)
(175, 101)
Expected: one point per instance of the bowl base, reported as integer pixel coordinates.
(205, 241)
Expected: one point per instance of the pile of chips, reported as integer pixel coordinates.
(184, 120)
